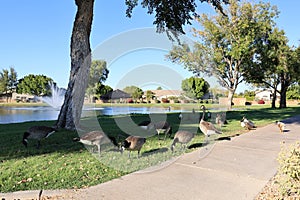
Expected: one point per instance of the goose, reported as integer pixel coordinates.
(95, 138)
(207, 128)
(221, 119)
(162, 127)
(182, 137)
(133, 143)
(38, 133)
(281, 126)
(180, 117)
(245, 123)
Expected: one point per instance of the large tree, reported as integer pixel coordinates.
(135, 92)
(169, 16)
(276, 65)
(289, 73)
(269, 59)
(195, 87)
(8, 82)
(37, 85)
(98, 75)
(226, 44)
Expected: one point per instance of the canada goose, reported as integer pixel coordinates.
(133, 143)
(247, 123)
(281, 126)
(221, 119)
(37, 133)
(207, 128)
(162, 127)
(182, 137)
(180, 117)
(95, 138)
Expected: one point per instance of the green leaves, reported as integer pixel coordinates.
(98, 75)
(8, 80)
(38, 85)
(194, 87)
(135, 92)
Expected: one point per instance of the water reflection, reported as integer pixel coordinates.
(23, 114)
(40, 113)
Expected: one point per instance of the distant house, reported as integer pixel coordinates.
(116, 96)
(24, 98)
(265, 95)
(165, 94)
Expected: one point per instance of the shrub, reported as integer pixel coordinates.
(247, 103)
(165, 100)
(261, 101)
(129, 101)
(289, 171)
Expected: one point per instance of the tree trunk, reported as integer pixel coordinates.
(274, 97)
(283, 96)
(230, 98)
(70, 112)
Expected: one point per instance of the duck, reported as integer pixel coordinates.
(182, 137)
(38, 133)
(245, 123)
(133, 143)
(207, 128)
(281, 126)
(95, 138)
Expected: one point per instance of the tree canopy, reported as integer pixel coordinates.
(134, 91)
(195, 87)
(170, 16)
(8, 80)
(38, 85)
(98, 75)
(226, 45)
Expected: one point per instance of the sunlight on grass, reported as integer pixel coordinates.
(62, 163)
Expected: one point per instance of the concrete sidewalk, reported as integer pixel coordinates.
(236, 169)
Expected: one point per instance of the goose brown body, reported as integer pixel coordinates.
(161, 127)
(95, 138)
(182, 137)
(133, 143)
(207, 128)
(221, 119)
(37, 133)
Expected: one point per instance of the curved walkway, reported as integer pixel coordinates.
(236, 169)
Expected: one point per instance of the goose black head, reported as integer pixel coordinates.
(125, 145)
(24, 141)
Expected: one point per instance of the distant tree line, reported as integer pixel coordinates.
(40, 85)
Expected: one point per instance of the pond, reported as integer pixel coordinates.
(40, 113)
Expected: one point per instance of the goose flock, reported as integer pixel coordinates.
(135, 143)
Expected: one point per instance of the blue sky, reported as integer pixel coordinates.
(35, 38)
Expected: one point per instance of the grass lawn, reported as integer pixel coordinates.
(62, 163)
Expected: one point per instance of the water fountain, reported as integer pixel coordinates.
(57, 97)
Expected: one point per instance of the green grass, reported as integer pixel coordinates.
(62, 163)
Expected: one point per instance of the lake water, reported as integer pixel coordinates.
(23, 114)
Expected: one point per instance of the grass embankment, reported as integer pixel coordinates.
(62, 163)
